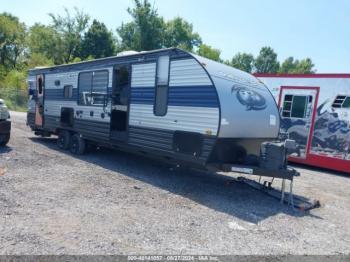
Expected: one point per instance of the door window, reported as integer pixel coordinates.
(40, 85)
(120, 91)
(162, 86)
(295, 106)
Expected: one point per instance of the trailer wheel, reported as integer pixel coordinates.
(77, 145)
(63, 140)
(4, 139)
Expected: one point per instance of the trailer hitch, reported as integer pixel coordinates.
(296, 202)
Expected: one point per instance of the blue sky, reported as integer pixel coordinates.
(318, 29)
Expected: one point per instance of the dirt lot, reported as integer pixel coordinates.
(115, 203)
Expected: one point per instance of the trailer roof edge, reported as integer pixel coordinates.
(104, 59)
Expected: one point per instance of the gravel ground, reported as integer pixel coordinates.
(109, 202)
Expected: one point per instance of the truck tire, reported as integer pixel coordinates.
(4, 139)
(64, 138)
(77, 145)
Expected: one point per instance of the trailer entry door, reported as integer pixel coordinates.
(39, 101)
(120, 102)
(297, 108)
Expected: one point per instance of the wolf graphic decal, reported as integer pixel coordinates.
(249, 98)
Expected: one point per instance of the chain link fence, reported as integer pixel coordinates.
(15, 98)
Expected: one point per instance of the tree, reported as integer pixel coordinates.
(71, 31)
(266, 62)
(12, 41)
(98, 42)
(304, 66)
(129, 39)
(38, 59)
(148, 30)
(44, 43)
(243, 61)
(179, 33)
(145, 32)
(288, 65)
(209, 52)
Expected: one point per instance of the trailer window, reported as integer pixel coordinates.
(346, 103)
(161, 101)
(99, 88)
(85, 83)
(40, 85)
(295, 106)
(68, 91)
(93, 88)
(341, 101)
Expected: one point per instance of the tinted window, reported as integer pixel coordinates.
(163, 70)
(161, 102)
(299, 106)
(99, 87)
(295, 106)
(40, 85)
(346, 103)
(93, 87)
(338, 101)
(85, 84)
(68, 91)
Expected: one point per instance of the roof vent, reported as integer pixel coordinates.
(127, 52)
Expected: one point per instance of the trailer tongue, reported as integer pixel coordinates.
(272, 163)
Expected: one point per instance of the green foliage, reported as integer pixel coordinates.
(266, 62)
(179, 33)
(243, 61)
(304, 66)
(149, 31)
(98, 42)
(70, 30)
(145, 32)
(209, 52)
(12, 41)
(46, 41)
(39, 59)
(288, 65)
(13, 89)
(76, 60)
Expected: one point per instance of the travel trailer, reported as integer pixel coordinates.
(168, 104)
(315, 112)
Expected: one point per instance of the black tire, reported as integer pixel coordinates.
(77, 145)
(4, 139)
(63, 140)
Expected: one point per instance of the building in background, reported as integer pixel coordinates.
(315, 111)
